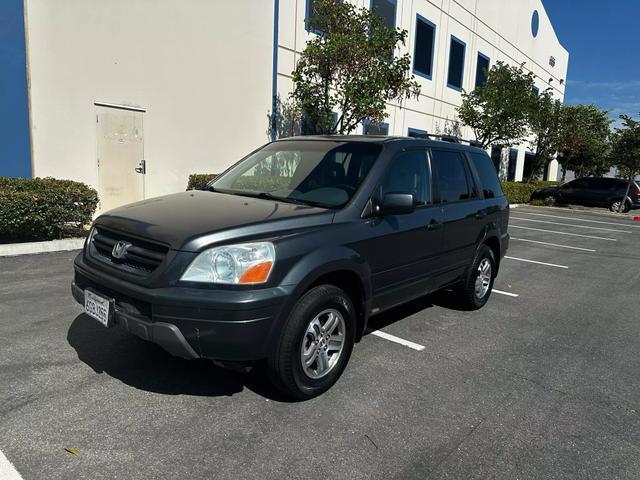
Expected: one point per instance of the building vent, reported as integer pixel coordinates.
(552, 61)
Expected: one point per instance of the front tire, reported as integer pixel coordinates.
(475, 289)
(315, 344)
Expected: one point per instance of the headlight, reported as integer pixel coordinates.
(243, 264)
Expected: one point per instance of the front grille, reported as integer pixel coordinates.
(141, 256)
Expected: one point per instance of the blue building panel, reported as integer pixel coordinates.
(15, 142)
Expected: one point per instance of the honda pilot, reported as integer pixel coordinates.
(285, 257)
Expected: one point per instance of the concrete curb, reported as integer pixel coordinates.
(13, 249)
(514, 205)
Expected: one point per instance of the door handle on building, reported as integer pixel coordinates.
(142, 167)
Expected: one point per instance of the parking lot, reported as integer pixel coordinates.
(544, 382)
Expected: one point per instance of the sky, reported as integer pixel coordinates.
(604, 52)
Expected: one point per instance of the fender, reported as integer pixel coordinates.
(315, 265)
(490, 231)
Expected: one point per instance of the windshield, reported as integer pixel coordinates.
(319, 173)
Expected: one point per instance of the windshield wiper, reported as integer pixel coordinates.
(269, 196)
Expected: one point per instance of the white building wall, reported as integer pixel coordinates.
(202, 70)
(500, 29)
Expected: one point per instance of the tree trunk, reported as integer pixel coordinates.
(626, 194)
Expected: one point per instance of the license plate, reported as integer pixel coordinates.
(98, 307)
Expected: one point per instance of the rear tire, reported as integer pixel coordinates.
(315, 343)
(475, 289)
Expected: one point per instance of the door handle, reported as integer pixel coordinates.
(434, 225)
(480, 214)
(142, 167)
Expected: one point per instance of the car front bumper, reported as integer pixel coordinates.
(221, 324)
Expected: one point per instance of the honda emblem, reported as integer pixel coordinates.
(120, 249)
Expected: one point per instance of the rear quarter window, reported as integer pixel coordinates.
(488, 175)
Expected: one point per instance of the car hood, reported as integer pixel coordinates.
(192, 220)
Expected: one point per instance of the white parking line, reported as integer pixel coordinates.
(571, 225)
(553, 244)
(508, 294)
(8, 471)
(536, 262)
(564, 233)
(577, 219)
(401, 341)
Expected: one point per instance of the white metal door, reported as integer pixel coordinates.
(121, 165)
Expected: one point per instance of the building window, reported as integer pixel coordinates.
(456, 63)
(536, 90)
(375, 128)
(535, 23)
(385, 9)
(417, 133)
(496, 157)
(513, 164)
(308, 127)
(482, 70)
(424, 48)
(310, 12)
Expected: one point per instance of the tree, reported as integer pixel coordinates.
(544, 123)
(584, 140)
(349, 67)
(498, 111)
(625, 153)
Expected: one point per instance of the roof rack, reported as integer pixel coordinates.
(448, 138)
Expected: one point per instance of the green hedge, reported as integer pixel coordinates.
(33, 209)
(198, 181)
(520, 192)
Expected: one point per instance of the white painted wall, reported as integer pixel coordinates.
(202, 69)
(500, 29)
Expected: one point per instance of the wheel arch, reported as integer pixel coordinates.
(342, 267)
(494, 244)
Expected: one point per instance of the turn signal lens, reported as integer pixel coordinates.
(257, 274)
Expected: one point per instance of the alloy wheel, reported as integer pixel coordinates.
(483, 280)
(323, 343)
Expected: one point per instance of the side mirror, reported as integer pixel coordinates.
(397, 204)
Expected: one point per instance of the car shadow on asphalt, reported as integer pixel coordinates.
(445, 298)
(146, 366)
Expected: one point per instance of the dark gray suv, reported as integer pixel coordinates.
(288, 253)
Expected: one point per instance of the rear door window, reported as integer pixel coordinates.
(452, 176)
(488, 175)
